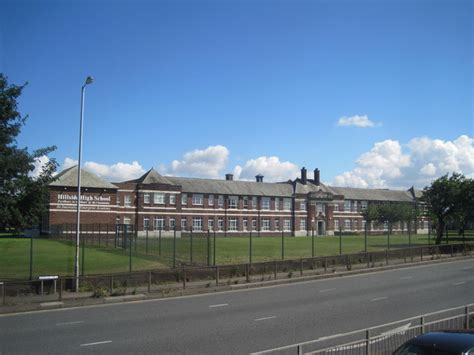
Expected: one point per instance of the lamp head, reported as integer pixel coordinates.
(89, 80)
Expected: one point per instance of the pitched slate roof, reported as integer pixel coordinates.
(352, 193)
(226, 187)
(311, 187)
(68, 178)
(152, 177)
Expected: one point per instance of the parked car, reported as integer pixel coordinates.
(439, 343)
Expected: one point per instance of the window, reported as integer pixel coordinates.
(287, 225)
(220, 224)
(426, 225)
(118, 200)
(197, 224)
(287, 204)
(127, 220)
(146, 223)
(210, 200)
(220, 201)
(302, 224)
(197, 199)
(245, 202)
(233, 200)
(233, 224)
(254, 203)
(128, 200)
(172, 199)
(347, 224)
(159, 198)
(265, 225)
(354, 225)
(364, 223)
(245, 224)
(265, 203)
(254, 224)
(336, 207)
(183, 224)
(385, 225)
(277, 224)
(363, 205)
(172, 223)
(336, 224)
(277, 203)
(210, 224)
(347, 206)
(146, 198)
(158, 223)
(355, 206)
(319, 208)
(303, 206)
(184, 199)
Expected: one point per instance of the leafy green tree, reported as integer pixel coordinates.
(370, 214)
(23, 198)
(445, 201)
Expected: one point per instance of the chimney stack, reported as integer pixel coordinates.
(316, 176)
(259, 178)
(303, 175)
(229, 177)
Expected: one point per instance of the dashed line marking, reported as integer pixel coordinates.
(264, 318)
(459, 283)
(97, 343)
(406, 277)
(219, 305)
(378, 299)
(467, 268)
(327, 290)
(69, 323)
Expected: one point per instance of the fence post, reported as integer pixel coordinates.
(208, 248)
(447, 234)
(146, 243)
(4, 292)
(367, 342)
(174, 247)
(421, 253)
(247, 272)
(31, 257)
(130, 238)
(83, 254)
(340, 241)
(466, 312)
(325, 265)
(386, 257)
(111, 286)
(368, 260)
(409, 233)
(312, 242)
(452, 252)
(217, 275)
(184, 278)
(60, 289)
(365, 237)
(422, 323)
(282, 244)
(191, 246)
(275, 269)
(404, 256)
(159, 239)
(347, 262)
(299, 349)
(250, 247)
(214, 248)
(149, 281)
(301, 267)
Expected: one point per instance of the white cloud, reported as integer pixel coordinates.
(39, 164)
(358, 121)
(270, 167)
(207, 162)
(389, 164)
(114, 172)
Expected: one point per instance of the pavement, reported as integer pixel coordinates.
(243, 321)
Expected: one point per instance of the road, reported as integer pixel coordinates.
(240, 322)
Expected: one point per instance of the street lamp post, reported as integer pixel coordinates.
(88, 81)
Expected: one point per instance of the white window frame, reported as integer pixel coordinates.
(233, 224)
(254, 203)
(197, 224)
(210, 224)
(198, 199)
(172, 222)
(354, 206)
(276, 224)
(347, 206)
(146, 223)
(184, 199)
(319, 207)
(127, 220)
(245, 203)
(127, 200)
(254, 224)
(302, 224)
(347, 224)
(220, 224)
(287, 225)
(210, 200)
(336, 224)
(287, 204)
(245, 224)
(336, 207)
(183, 224)
(146, 198)
(157, 222)
(159, 198)
(233, 202)
(172, 199)
(363, 205)
(220, 201)
(303, 206)
(265, 203)
(266, 224)
(277, 204)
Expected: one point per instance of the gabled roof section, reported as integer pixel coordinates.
(68, 178)
(152, 177)
(352, 193)
(227, 187)
(310, 186)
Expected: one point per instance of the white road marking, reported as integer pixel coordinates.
(467, 268)
(70, 323)
(406, 277)
(97, 343)
(378, 299)
(459, 283)
(265, 318)
(219, 305)
(327, 290)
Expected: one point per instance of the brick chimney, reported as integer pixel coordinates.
(303, 175)
(259, 178)
(316, 176)
(229, 177)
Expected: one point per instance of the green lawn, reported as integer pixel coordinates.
(52, 257)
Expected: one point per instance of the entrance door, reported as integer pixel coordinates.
(321, 230)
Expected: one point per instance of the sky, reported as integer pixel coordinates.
(373, 93)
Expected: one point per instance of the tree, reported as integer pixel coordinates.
(444, 200)
(23, 198)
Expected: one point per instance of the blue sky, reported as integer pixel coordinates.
(201, 88)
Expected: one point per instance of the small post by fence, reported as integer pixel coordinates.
(4, 292)
(447, 235)
(250, 247)
(421, 253)
(466, 312)
(247, 272)
(111, 286)
(208, 248)
(325, 265)
(388, 235)
(282, 244)
(217, 275)
(146, 242)
(368, 259)
(312, 242)
(429, 232)
(149, 281)
(174, 247)
(130, 251)
(83, 255)
(367, 342)
(31, 257)
(60, 289)
(275, 269)
(214, 251)
(365, 236)
(422, 324)
(159, 240)
(299, 349)
(184, 278)
(409, 233)
(191, 247)
(340, 241)
(301, 267)
(386, 257)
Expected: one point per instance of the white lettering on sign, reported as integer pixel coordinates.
(88, 202)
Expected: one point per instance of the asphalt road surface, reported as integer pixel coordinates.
(240, 322)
